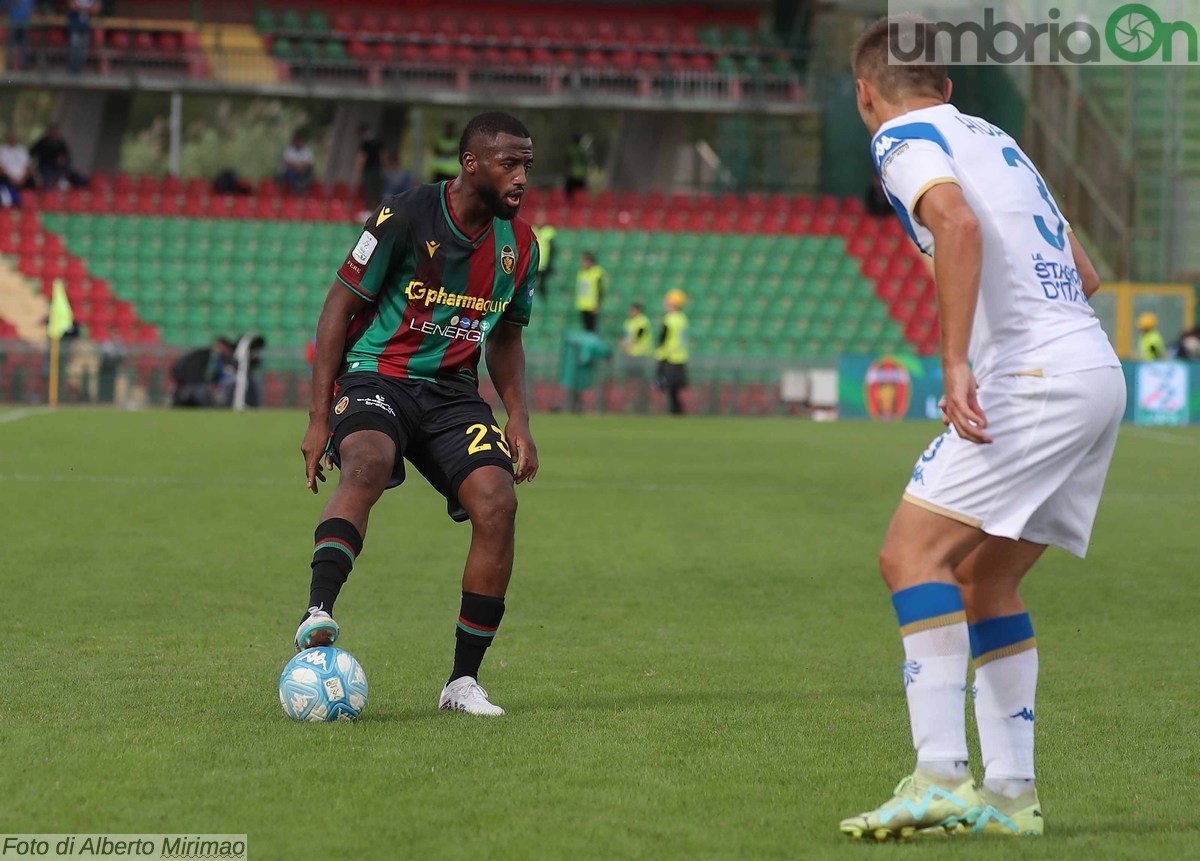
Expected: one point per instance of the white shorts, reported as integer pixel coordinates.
(1042, 476)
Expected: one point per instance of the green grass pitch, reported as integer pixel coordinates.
(699, 660)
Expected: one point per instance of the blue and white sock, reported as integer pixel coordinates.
(1006, 670)
(936, 652)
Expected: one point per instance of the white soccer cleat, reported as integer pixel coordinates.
(318, 629)
(465, 695)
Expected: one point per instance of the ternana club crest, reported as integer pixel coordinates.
(508, 259)
(887, 389)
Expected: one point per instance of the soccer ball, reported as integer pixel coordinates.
(323, 684)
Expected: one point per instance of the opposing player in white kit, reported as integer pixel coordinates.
(1034, 395)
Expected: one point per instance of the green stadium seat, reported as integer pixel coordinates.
(317, 22)
(284, 49)
(290, 20)
(333, 51)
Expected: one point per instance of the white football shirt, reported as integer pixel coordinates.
(1032, 315)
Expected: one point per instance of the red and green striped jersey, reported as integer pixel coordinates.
(435, 293)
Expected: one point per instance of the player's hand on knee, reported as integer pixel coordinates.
(520, 441)
(313, 446)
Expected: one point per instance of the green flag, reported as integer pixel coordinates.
(61, 316)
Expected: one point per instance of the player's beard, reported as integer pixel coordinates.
(496, 204)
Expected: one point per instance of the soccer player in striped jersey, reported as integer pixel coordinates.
(441, 275)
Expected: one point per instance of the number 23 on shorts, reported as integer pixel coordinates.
(478, 444)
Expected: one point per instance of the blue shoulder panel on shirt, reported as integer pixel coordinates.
(888, 140)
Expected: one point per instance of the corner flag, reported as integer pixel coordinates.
(61, 316)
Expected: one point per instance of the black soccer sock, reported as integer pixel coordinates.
(477, 623)
(337, 546)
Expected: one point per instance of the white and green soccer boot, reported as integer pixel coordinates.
(924, 804)
(1009, 817)
(317, 629)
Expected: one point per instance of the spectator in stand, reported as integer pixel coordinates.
(16, 171)
(79, 32)
(396, 180)
(53, 159)
(1188, 347)
(298, 162)
(579, 160)
(17, 53)
(369, 167)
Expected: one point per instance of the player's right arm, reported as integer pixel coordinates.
(360, 280)
(340, 307)
(957, 264)
(1083, 264)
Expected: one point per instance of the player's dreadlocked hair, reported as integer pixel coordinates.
(487, 126)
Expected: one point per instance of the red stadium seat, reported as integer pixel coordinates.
(169, 41)
(659, 34)
(516, 57)
(394, 24)
(385, 52)
(631, 33)
(358, 50)
(541, 56)
(342, 23)
(118, 39)
(648, 62)
(526, 30)
(686, 34)
(567, 57)
(370, 24)
(143, 41)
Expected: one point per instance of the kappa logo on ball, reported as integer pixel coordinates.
(341, 406)
(508, 260)
(378, 401)
(365, 248)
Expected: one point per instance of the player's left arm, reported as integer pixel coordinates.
(506, 364)
(958, 263)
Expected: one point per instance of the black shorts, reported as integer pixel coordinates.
(445, 433)
(671, 376)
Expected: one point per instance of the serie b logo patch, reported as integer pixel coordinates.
(508, 260)
(341, 406)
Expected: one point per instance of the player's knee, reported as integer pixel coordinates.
(893, 566)
(366, 468)
(495, 507)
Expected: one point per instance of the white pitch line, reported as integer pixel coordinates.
(1160, 436)
(16, 415)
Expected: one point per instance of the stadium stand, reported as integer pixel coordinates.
(546, 49)
(769, 276)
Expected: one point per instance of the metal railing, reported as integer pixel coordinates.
(227, 69)
(140, 376)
